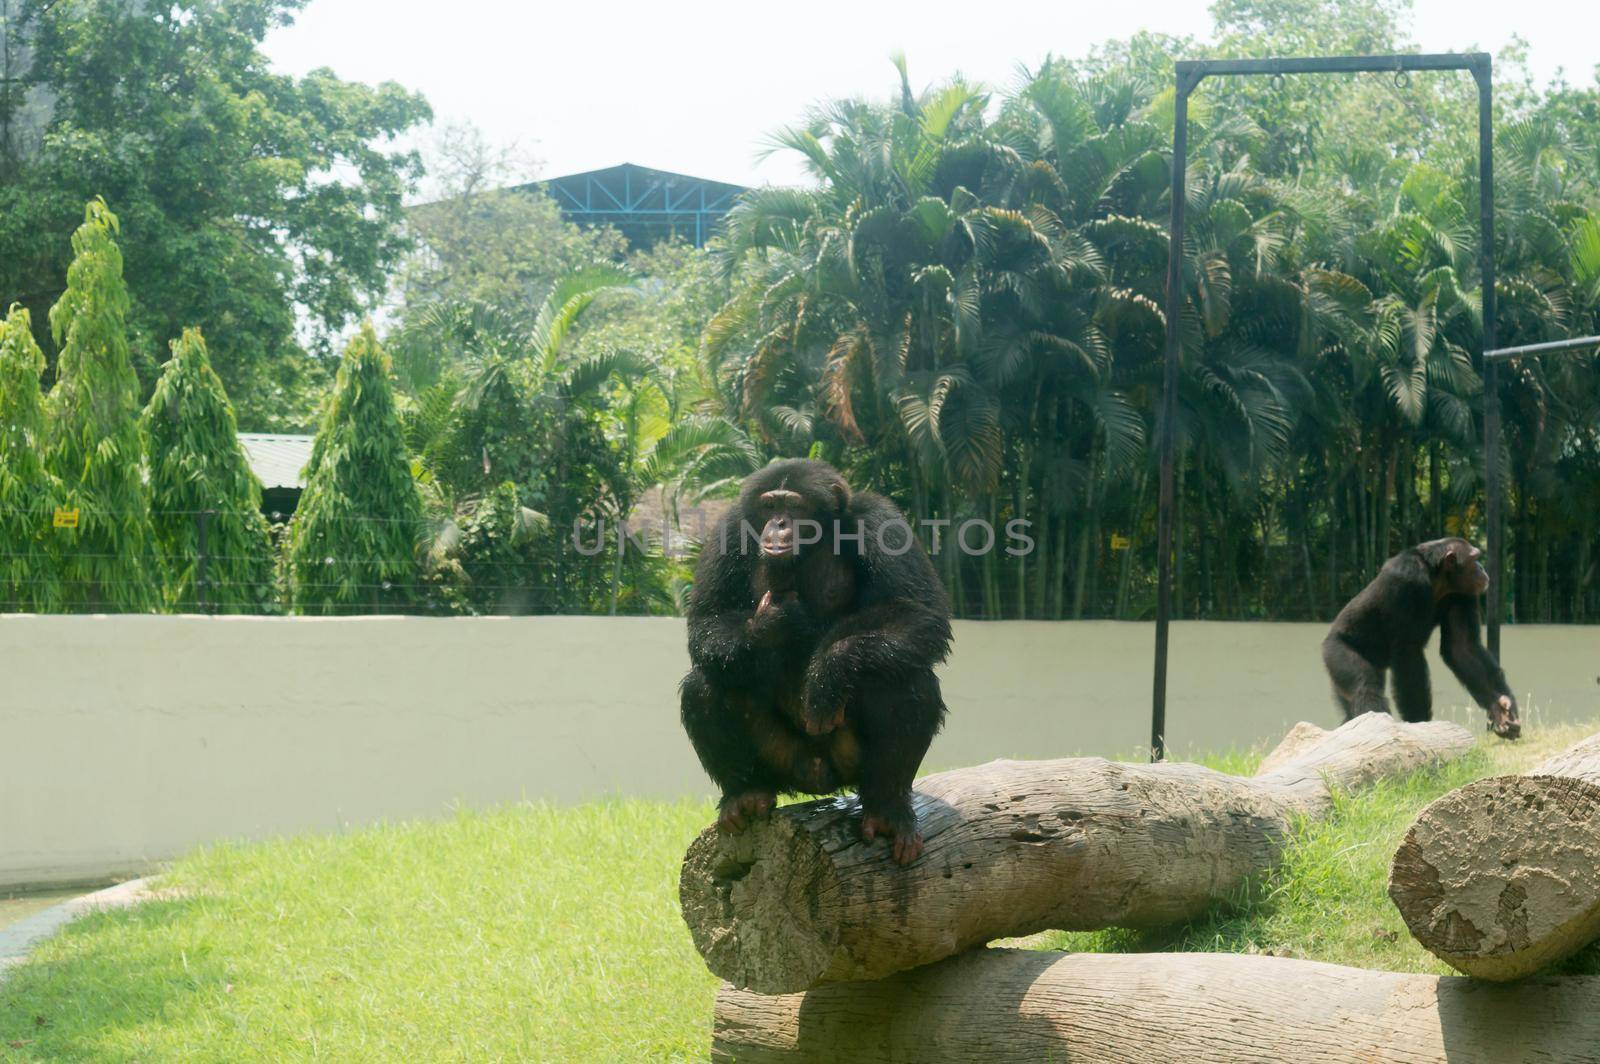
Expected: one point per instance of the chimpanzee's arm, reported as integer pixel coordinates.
(902, 623)
(721, 606)
(1465, 653)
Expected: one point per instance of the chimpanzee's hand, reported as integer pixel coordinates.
(1503, 720)
(775, 617)
(827, 688)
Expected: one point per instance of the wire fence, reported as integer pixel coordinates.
(62, 560)
(460, 568)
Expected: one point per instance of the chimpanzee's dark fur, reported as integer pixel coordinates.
(1387, 627)
(814, 670)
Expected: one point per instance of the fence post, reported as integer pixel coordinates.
(202, 520)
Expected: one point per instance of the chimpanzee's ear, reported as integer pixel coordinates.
(1449, 561)
(841, 496)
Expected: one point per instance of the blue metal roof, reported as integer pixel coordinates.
(645, 205)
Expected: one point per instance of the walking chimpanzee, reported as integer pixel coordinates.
(1387, 626)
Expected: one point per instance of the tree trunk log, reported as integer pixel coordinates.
(999, 1005)
(1502, 877)
(1015, 847)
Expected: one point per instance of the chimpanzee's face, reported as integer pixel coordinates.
(785, 515)
(1464, 565)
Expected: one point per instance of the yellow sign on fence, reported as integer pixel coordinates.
(1120, 542)
(66, 518)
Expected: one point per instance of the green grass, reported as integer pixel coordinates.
(525, 933)
(542, 933)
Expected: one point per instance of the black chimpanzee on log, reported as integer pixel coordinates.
(814, 625)
(1387, 627)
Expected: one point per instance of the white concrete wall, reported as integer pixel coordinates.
(125, 740)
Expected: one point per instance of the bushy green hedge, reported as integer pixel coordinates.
(29, 562)
(108, 562)
(200, 475)
(354, 541)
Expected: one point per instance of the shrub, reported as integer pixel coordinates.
(94, 446)
(29, 561)
(199, 474)
(354, 541)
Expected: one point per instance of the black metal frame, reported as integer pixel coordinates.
(1189, 75)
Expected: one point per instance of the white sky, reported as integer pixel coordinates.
(696, 86)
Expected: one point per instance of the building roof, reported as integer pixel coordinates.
(643, 204)
(278, 460)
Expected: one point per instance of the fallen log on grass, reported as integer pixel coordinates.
(1014, 847)
(1001, 1005)
(1502, 877)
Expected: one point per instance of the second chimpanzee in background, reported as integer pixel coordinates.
(1387, 626)
(814, 625)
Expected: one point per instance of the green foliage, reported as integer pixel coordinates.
(677, 290)
(199, 473)
(353, 543)
(966, 311)
(94, 447)
(494, 558)
(29, 560)
(515, 416)
(249, 196)
(540, 378)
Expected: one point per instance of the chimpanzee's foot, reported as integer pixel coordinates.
(739, 811)
(1503, 720)
(905, 842)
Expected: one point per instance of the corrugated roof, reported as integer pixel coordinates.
(278, 460)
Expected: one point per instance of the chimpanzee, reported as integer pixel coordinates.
(1387, 626)
(814, 625)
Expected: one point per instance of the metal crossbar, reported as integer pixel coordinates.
(1500, 354)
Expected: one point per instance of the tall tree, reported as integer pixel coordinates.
(252, 199)
(212, 535)
(29, 560)
(353, 543)
(94, 430)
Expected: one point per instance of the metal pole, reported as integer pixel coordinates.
(202, 519)
(1169, 408)
(1482, 71)
(1500, 354)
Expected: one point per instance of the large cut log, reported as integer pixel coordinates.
(1015, 847)
(1502, 877)
(997, 1006)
